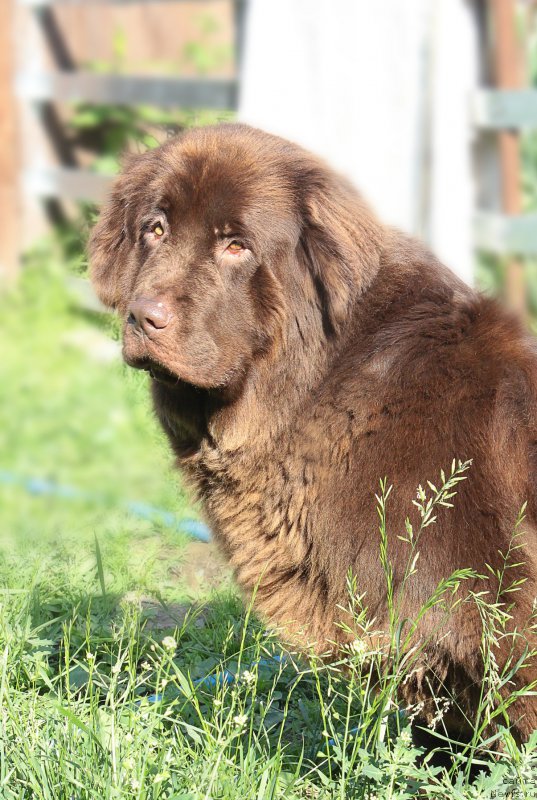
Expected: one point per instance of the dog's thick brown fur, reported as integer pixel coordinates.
(306, 351)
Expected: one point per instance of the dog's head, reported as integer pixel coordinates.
(212, 246)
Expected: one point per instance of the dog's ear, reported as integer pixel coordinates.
(341, 240)
(110, 242)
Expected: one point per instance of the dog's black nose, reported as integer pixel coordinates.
(148, 315)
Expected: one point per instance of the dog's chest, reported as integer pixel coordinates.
(276, 505)
(263, 511)
(266, 500)
(294, 516)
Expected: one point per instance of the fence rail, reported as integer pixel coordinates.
(501, 109)
(47, 3)
(498, 233)
(214, 93)
(67, 183)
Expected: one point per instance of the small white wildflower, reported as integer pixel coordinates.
(248, 677)
(129, 737)
(164, 682)
(441, 710)
(90, 656)
(217, 702)
(169, 643)
(358, 647)
(406, 736)
(116, 668)
(240, 720)
(146, 665)
(152, 647)
(135, 784)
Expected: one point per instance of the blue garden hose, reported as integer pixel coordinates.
(42, 486)
(222, 677)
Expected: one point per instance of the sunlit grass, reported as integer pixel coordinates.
(72, 414)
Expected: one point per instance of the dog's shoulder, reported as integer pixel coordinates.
(437, 325)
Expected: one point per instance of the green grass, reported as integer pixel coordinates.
(71, 418)
(99, 700)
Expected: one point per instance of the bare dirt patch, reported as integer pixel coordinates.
(202, 569)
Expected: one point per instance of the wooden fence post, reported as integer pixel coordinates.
(9, 152)
(507, 70)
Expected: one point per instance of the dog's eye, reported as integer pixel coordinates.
(235, 247)
(154, 231)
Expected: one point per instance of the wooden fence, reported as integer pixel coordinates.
(505, 110)
(45, 65)
(59, 80)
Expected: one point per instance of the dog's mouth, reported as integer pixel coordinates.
(157, 371)
(173, 373)
(163, 375)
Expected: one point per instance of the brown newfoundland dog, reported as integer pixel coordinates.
(300, 351)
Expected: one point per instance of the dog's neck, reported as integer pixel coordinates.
(274, 393)
(219, 426)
